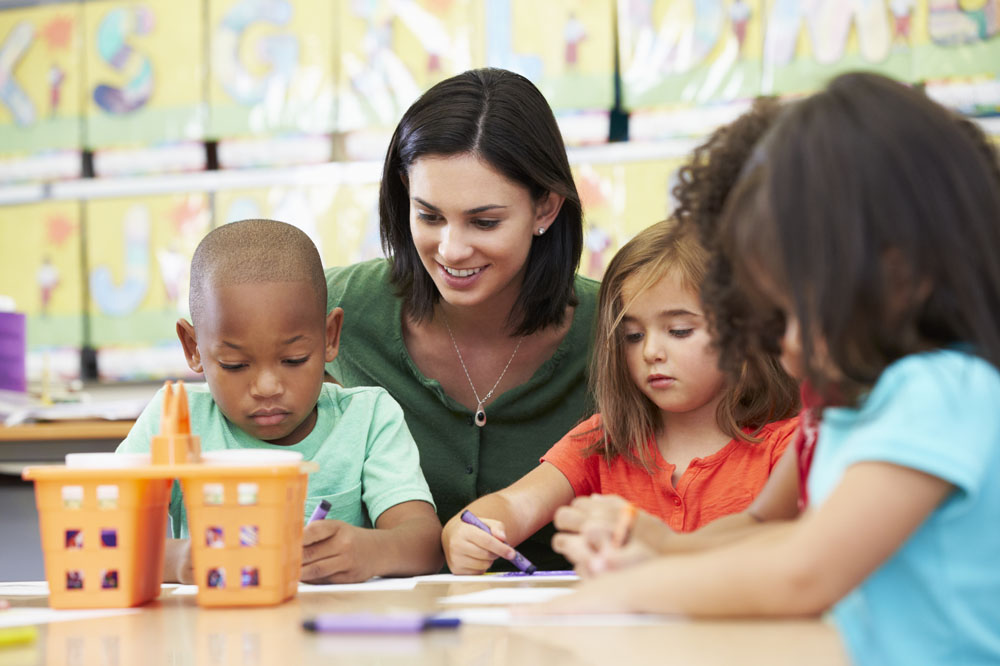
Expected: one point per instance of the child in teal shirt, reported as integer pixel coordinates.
(260, 334)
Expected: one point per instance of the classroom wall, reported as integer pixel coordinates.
(129, 129)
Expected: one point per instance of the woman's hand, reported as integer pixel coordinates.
(337, 552)
(470, 550)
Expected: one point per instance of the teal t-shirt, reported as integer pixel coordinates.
(937, 599)
(462, 461)
(367, 459)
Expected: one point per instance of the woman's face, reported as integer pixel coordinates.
(473, 227)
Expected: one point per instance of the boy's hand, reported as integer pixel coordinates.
(177, 565)
(470, 550)
(337, 552)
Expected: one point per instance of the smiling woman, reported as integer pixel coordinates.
(478, 311)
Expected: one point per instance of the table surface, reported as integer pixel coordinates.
(175, 630)
(65, 430)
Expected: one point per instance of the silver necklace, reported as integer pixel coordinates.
(480, 412)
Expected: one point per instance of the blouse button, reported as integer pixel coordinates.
(677, 501)
(468, 469)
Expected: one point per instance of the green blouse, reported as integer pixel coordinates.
(460, 460)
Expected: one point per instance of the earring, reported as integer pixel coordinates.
(541, 230)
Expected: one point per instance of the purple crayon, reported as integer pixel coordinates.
(371, 623)
(519, 560)
(319, 513)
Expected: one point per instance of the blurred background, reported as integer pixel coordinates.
(129, 129)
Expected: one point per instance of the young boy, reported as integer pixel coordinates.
(261, 335)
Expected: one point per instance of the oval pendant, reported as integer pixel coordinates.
(481, 418)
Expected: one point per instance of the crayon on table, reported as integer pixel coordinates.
(519, 560)
(319, 513)
(372, 623)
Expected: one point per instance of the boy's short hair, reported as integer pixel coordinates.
(252, 251)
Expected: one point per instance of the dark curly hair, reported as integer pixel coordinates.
(704, 184)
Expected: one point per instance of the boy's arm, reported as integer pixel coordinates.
(512, 514)
(787, 568)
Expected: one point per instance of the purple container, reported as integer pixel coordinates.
(12, 350)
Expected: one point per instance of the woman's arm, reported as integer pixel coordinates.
(786, 568)
(406, 541)
(512, 514)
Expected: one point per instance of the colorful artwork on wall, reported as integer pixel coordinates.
(271, 67)
(145, 65)
(40, 71)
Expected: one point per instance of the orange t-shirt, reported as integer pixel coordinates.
(711, 487)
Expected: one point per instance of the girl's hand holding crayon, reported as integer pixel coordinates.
(338, 552)
(470, 550)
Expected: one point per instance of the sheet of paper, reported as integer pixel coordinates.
(30, 588)
(373, 585)
(504, 617)
(506, 596)
(506, 577)
(21, 617)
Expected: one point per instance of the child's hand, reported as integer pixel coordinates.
(337, 552)
(589, 561)
(177, 565)
(470, 550)
(596, 518)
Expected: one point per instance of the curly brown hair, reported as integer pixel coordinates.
(704, 184)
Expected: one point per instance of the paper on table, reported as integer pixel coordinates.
(507, 596)
(506, 577)
(30, 588)
(22, 617)
(373, 585)
(503, 617)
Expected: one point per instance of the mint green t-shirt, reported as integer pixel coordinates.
(367, 459)
(462, 461)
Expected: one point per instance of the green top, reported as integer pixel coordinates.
(462, 461)
(367, 459)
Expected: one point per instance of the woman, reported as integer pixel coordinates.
(477, 324)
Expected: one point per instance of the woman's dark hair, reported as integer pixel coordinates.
(501, 118)
(874, 213)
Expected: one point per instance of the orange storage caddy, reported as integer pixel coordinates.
(103, 520)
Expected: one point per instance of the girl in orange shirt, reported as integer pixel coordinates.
(674, 435)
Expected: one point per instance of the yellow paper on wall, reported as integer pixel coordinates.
(139, 253)
(40, 65)
(271, 66)
(145, 69)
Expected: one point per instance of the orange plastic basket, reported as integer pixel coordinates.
(246, 531)
(102, 534)
(104, 527)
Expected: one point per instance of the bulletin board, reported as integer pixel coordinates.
(40, 66)
(271, 67)
(145, 67)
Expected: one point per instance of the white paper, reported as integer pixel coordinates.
(504, 617)
(22, 617)
(491, 578)
(373, 585)
(507, 596)
(30, 588)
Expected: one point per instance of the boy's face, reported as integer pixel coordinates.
(262, 347)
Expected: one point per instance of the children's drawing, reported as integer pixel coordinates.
(279, 53)
(47, 278)
(952, 22)
(500, 43)
(113, 47)
(828, 23)
(173, 270)
(739, 17)
(12, 94)
(56, 78)
(574, 32)
(902, 14)
(124, 298)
